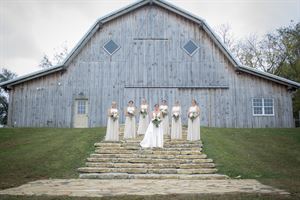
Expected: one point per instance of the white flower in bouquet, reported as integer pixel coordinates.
(130, 112)
(156, 120)
(192, 116)
(143, 112)
(114, 116)
(164, 111)
(176, 116)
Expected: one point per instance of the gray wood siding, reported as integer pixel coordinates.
(138, 67)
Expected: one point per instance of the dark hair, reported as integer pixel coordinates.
(156, 105)
(165, 101)
(130, 101)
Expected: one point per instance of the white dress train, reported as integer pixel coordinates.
(130, 125)
(112, 130)
(165, 120)
(193, 132)
(154, 136)
(143, 121)
(176, 126)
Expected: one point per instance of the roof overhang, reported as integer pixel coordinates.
(105, 19)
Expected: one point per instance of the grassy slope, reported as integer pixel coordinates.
(31, 154)
(270, 155)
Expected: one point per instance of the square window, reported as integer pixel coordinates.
(190, 47)
(111, 47)
(81, 107)
(263, 106)
(258, 111)
(257, 102)
(268, 110)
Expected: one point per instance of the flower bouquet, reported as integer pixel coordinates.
(176, 116)
(114, 115)
(156, 120)
(130, 113)
(164, 112)
(193, 116)
(144, 112)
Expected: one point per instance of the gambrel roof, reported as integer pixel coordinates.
(101, 21)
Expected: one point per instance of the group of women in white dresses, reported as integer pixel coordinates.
(155, 127)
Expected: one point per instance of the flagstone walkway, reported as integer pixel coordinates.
(100, 188)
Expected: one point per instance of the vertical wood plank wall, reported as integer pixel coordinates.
(139, 66)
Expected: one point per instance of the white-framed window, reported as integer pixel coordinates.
(263, 106)
(81, 107)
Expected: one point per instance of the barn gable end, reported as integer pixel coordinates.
(150, 62)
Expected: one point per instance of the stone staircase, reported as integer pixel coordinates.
(179, 159)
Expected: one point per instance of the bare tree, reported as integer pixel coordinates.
(60, 54)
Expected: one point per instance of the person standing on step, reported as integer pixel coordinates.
(193, 122)
(165, 117)
(144, 118)
(154, 136)
(112, 130)
(176, 127)
(130, 126)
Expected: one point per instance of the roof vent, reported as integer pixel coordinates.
(190, 47)
(111, 47)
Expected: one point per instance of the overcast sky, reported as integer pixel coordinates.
(31, 28)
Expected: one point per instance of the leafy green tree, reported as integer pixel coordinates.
(5, 75)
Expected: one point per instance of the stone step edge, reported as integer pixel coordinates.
(146, 170)
(149, 160)
(152, 176)
(151, 165)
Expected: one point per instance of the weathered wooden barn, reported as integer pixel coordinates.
(154, 50)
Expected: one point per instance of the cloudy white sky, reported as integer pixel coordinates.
(31, 28)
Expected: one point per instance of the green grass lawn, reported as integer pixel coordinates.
(270, 155)
(28, 154)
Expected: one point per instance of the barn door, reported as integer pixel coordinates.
(80, 113)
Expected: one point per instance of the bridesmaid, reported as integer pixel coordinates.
(165, 118)
(112, 131)
(193, 122)
(144, 118)
(176, 130)
(130, 128)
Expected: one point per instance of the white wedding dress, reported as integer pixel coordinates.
(154, 135)
(130, 127)
(112, 131)
(143, 122)
(165, 120)
(176, 128)
(193, 132)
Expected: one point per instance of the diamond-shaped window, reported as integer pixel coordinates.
(190, 47)
(111, 47)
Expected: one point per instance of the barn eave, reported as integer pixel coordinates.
(101, 21)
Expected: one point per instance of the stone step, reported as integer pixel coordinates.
(148, 151)
(147, 170)
(148, 160)
(153, 156)
(166, 145)
(152, 176)
(128, 147)
(144, 165)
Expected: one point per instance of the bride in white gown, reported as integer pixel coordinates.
(154, 134)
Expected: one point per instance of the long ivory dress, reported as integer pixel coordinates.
(130, 127)
(165, 120)
(193, 126)
(154, 136)
(176, 129)
(143, 121)
(112, 130)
